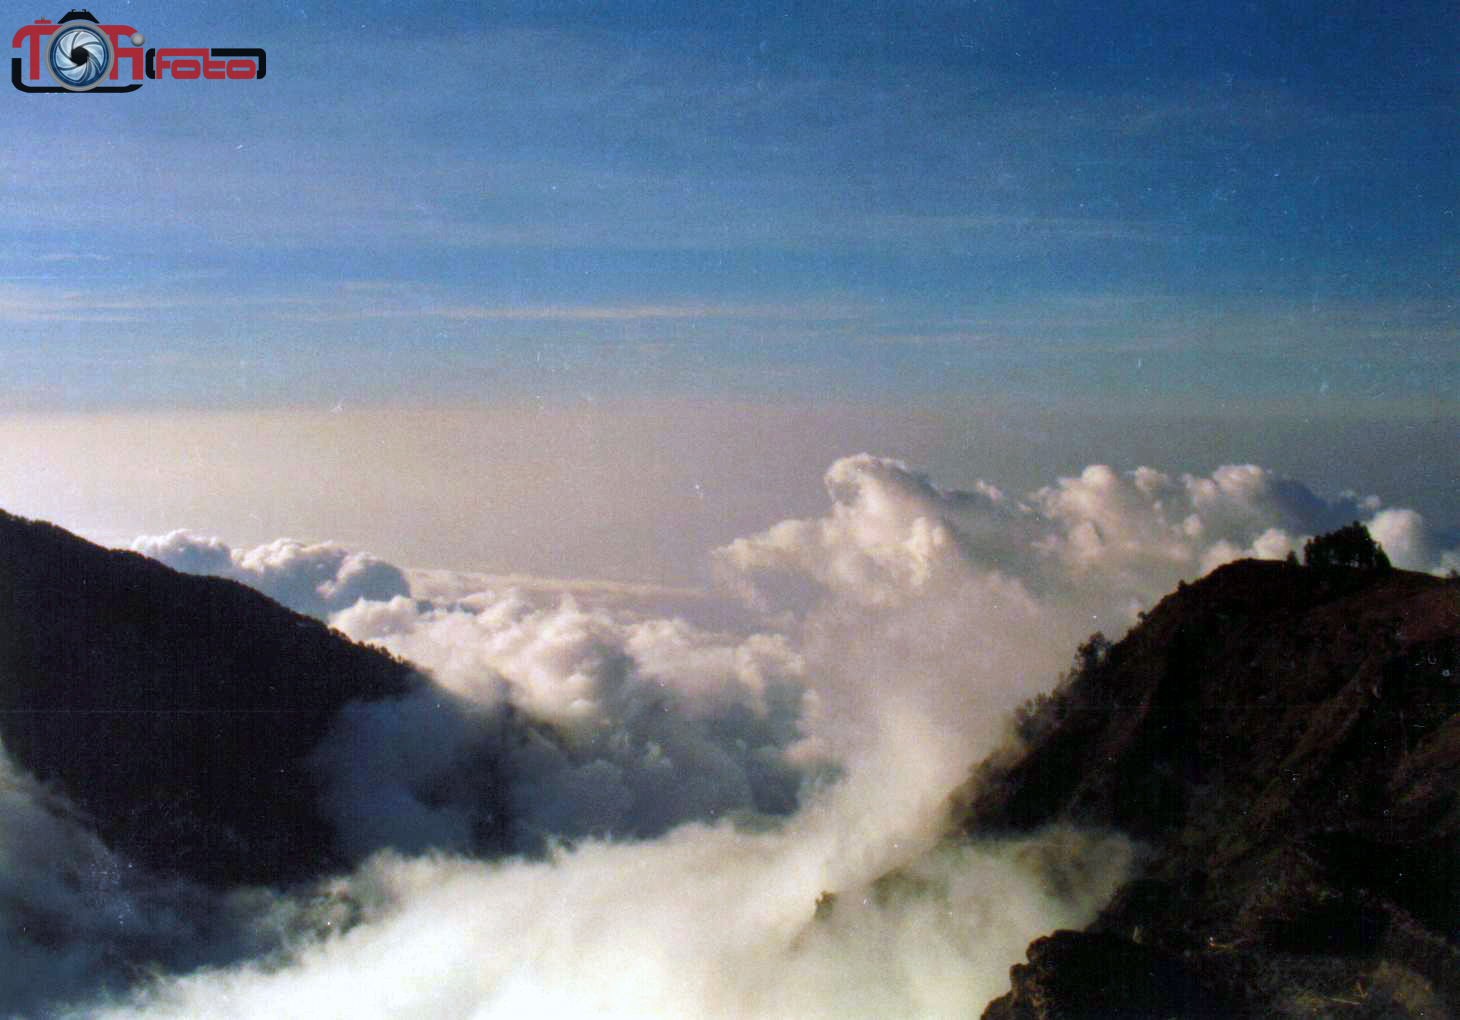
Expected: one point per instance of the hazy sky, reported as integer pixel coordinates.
(598, 291)
(862, 215)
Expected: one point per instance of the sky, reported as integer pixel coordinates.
(761, 400)
(992, 238)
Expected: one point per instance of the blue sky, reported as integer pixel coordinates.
(1178, 208)
(674, 197)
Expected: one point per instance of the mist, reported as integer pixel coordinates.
(684, 820)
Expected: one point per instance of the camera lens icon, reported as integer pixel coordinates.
(79, 57)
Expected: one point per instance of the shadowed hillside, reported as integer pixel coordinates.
(175, 710)
(1285, 741)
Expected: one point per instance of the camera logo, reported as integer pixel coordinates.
(80, 54)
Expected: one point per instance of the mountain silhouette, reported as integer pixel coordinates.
(1284, 741)
(176, 712)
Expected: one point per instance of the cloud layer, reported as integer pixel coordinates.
(713, 823)
(599, 724)
(315, 578)
(1113, 541)
(702, 923)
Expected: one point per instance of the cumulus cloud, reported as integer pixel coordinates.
(548, 721)
(314, 578)
(732, 824)
(1411, 543)
(1143, 530)
(900, 656)
(1106, 540)
(612, 726)
(890, 532)
(567, 664)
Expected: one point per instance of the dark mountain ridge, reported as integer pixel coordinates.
(203, 729)
(1285, 742)
(176, 711)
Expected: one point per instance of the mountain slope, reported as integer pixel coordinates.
(176, 711)
(1285, 741)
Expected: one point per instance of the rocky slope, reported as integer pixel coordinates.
(177, 712)
(1285, 742)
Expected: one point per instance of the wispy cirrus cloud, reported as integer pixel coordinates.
(71, 256)
(381, 307)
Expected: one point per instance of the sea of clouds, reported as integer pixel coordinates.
(693, 821)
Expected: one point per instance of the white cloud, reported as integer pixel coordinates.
(902, 624)
(890, 532)
(926, 613)
(644, 723)
(313, 578)
(1410, 543)
(706, 922)
(898, 664)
